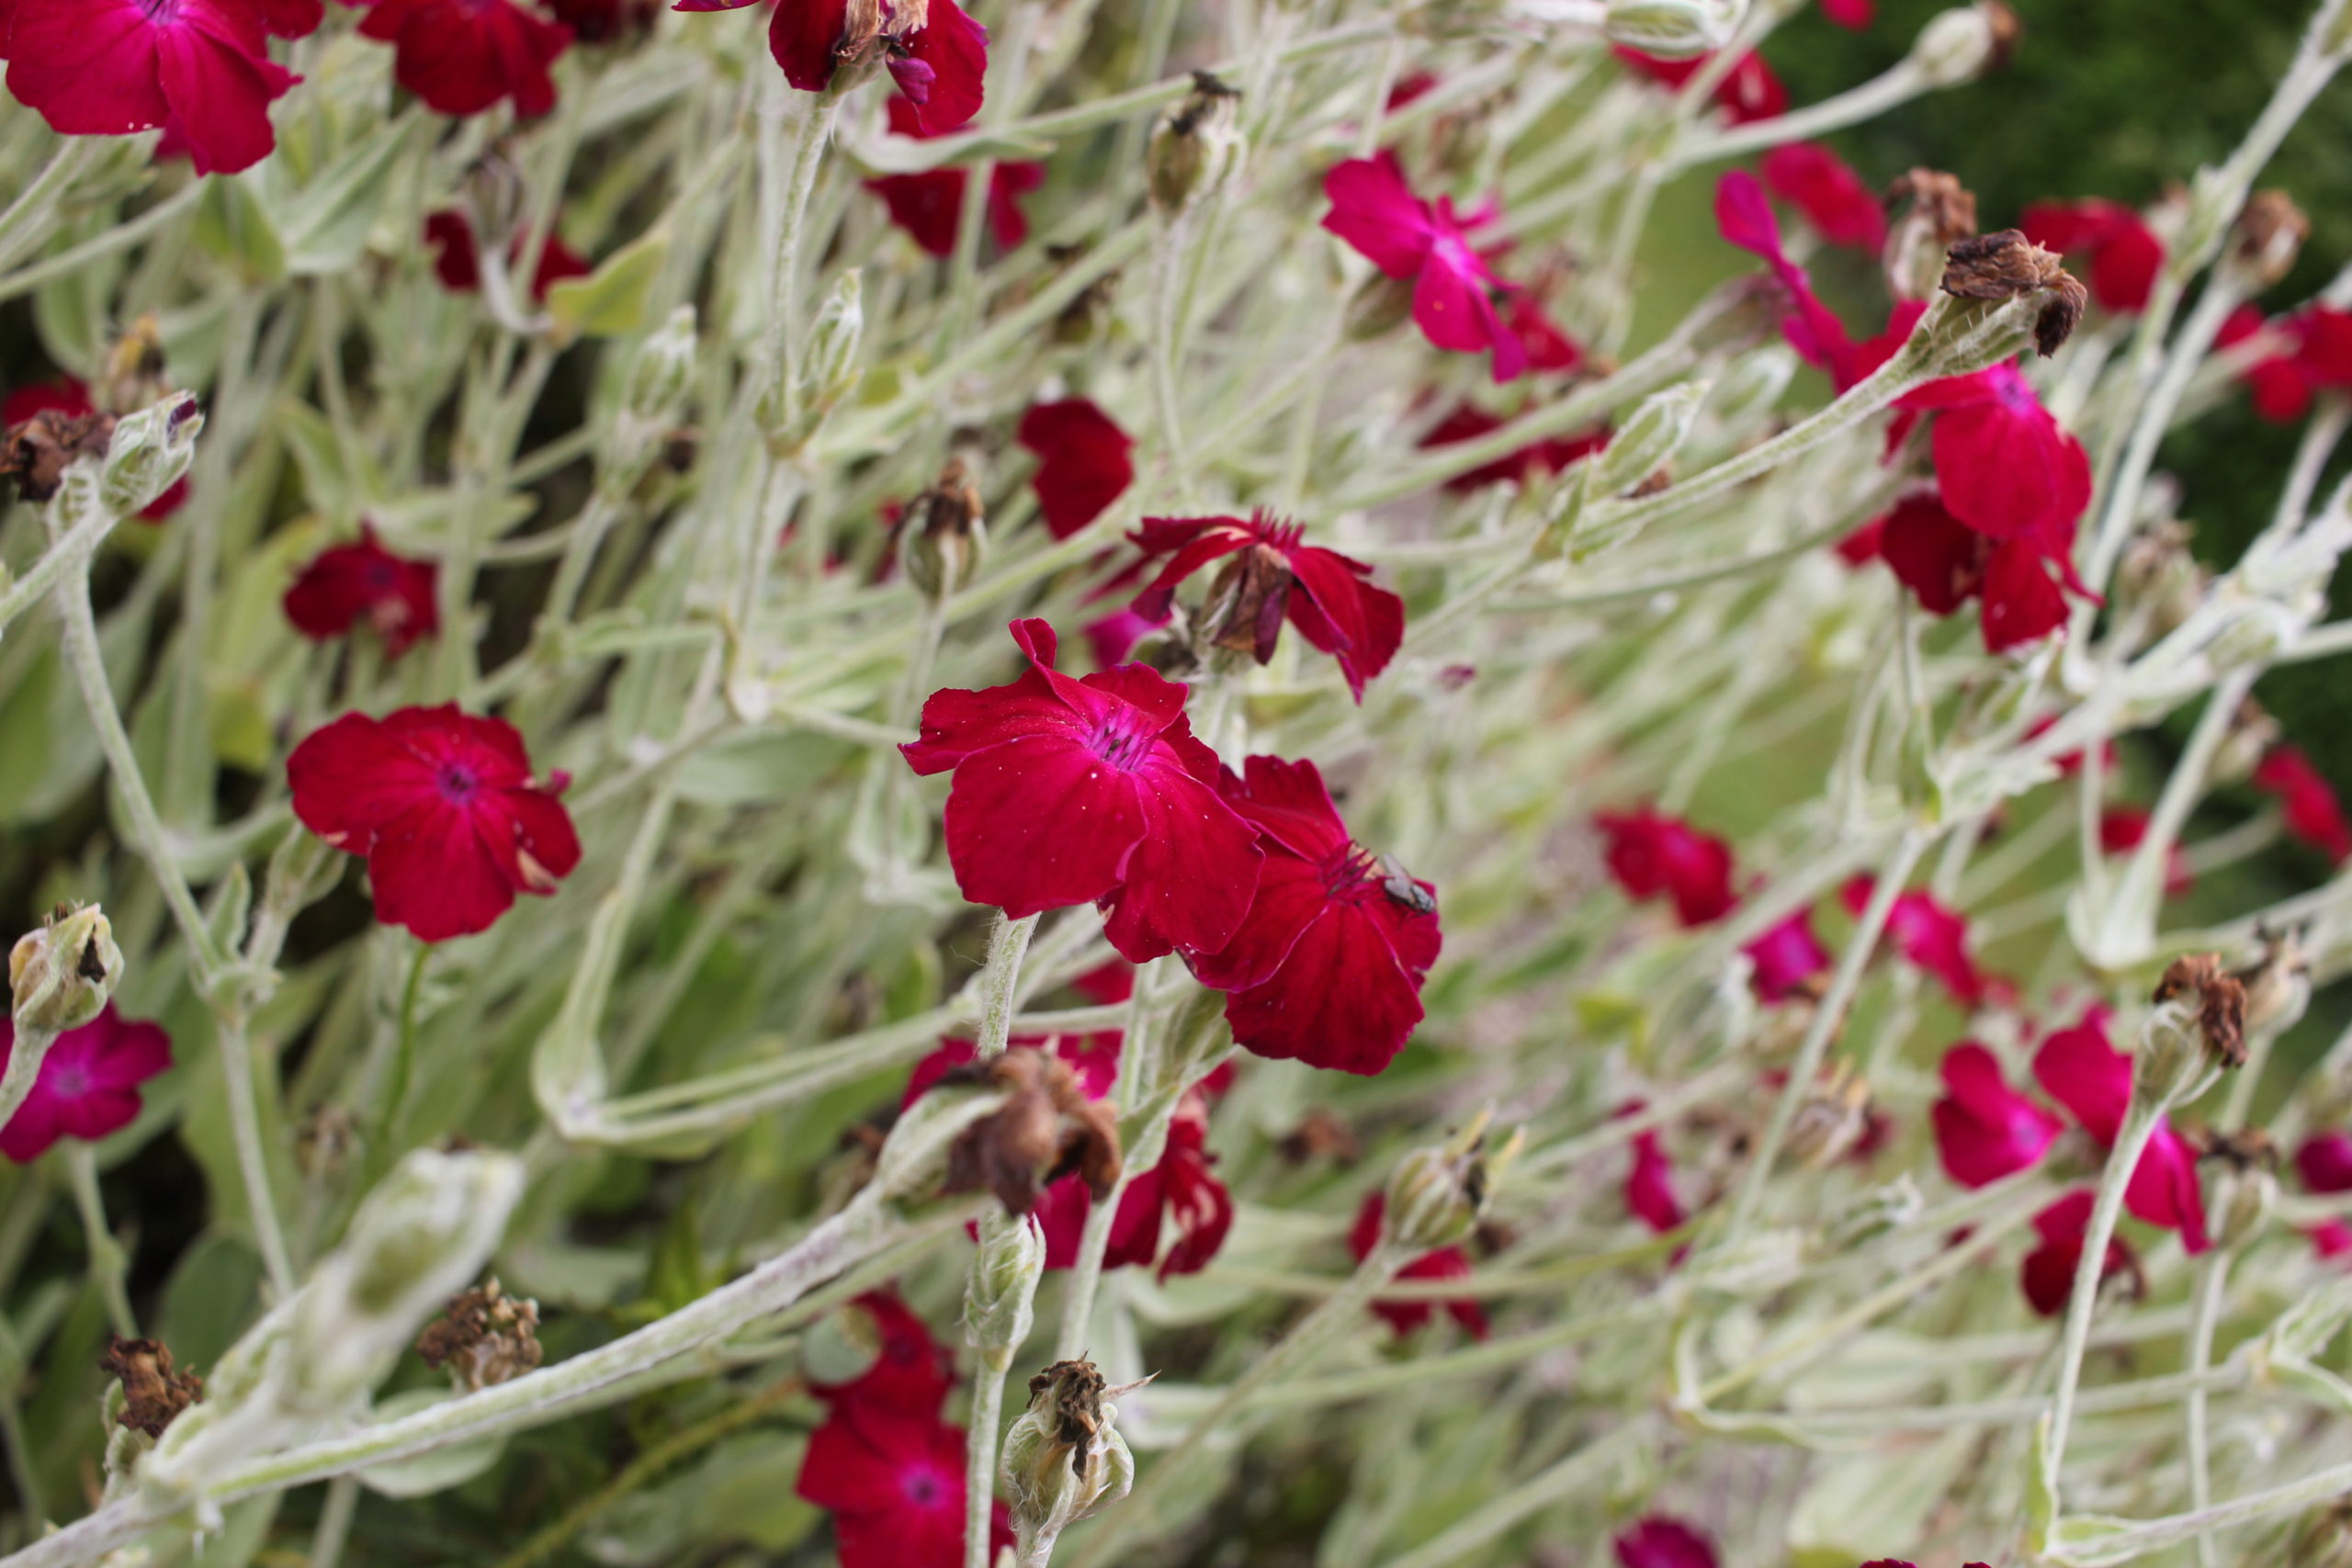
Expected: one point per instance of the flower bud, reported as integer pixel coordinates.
(2252, 733)
(2264, 242)
(133, 374)
(150, 450)
(1671, 29)
(1833, 1118)
(832, 369)
(1651, 434)
(659, 373)
(2159, 580)
(1438, 1194)
(1942, 214)
(1064, 1460)
(2247, 1199)
(1875, 1213)
(943, 535)
(1751, 387)
(61, 976)
(1003, 1284)
(1195, 144)
(1962, 44)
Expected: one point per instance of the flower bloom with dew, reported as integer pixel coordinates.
(456, 257)
(88, 1084)
(1524, 467)
(1084, 462)
(1445, 1263)
(937, 56)
(1656, 1540)
(1749, 91)
(1274, 577)
(2122, 252)
(2316, 357)
(2047, 1275)
(197, 70)
(1744, 217)
(2122, 829)
(1786, 958)
(463, 56)
(1824, 187)
(1094, 789)
(1377, 214)
(2307, 801)
(1649, 853)
(346, 585)
(445, 809)
(1945, 563)
(72, 399)
(1928, 935)
(1328, 967)
(930, 205)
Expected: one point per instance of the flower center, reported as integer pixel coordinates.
(458, 782)
(1347, 869)
(924, 1487)
(69, 1080)
(1121, 741)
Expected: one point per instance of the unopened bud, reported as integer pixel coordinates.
(2248, 1199)
(827, 373)
(1751, 387)
(943, 535)
(1064, 1460)
(1835, 1117)
(150, 450)
(1438, 1194)
(1003, 1284)
(2252, 733)
(1650, 436)
(1964, 44)
(1195, 144)
(2268, 237)
(661, 372)
(1671, 29)
(61, 976)
(1942, 213)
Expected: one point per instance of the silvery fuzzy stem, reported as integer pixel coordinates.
(1523, 1501)
(999, 982)
(232, 1031)
(106, 1259)
(32, 217)
(69, 552)
(2205, 1313)
(980, 1434)
(1891, 89)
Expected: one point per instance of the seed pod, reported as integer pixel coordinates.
(2268, 237)
(1942, 214)
(484, 1336)
(61, 975)
(943, 535)
(1962, 44)
(1195, 144)
(1003, 1284)
(1649, 437)
(1439, 1194)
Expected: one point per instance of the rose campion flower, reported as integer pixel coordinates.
(1649, 853)
(2308, 801)
(1445, 1263)
(893, 1480)
(1984, 1129)
(1114, 636)
(1093, 1056)
(936, 54)
(1328, 967)
(2004, 465)
(1749, 91)
(2324, 1162)
(1657, 1541)
(1182, 1193)
(1786, 957)
(1823, 186)
(1083, 462)
(1377, 214)
(1524, 467)
(1928, 935)
(197, 70)
(444, 807)
(2124, 254)
(89, 1086)
(290, 18)
(930, 205)
(1944, 562)
(2318, 356)
(346, 584)
(463, 56)
(72, 399)
(912, 1372)
(1275, 578)
(1074, 791)
(2047, 1275)
(456, 257)
(1852, 15)
(605, 21)
(1650, 1181)
(2079, 1069)
(1744, 217)
(1548, 347)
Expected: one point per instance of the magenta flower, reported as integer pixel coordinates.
(1824, 186)
(456, 257)
(2122, 830)
(346, 584)
(1530, 463)
(1445, 1263)
(911, 1372)
(1377, 214)
(936, 54)
(88, 1084)
(2006, 466)
(2124, 254)
(2324, 1162)
(1745, 219)
(1930, 936)
(930, 205)
(1083, 462)
(1748, 92)
(1984, 1129)
(1945, 562)
(2047, 1275)
(2308, 802)
(894, 1482)
(462, 56)
(2081, 1071)
(2317, 341)
(1094, 789)
(1322, 592)
(1786, 957)
(1649, 853)
(1649, 1181)
(1328, 967)
(1657, 1541)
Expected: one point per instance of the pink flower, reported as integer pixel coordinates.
(2121, 831)
(444, 807)
(1821, 185)
(2330, 1238)
(2048, 1274)
(346, 584)
(936, 54)
(1745, 219)
(1650, 1181)
(1467, 422)
(1328, 967)
(2125, 254)
(1852, 14)
(894, 1482)
(72, 399)
(2318, 344)
(1323, 593)
(290, 18)
(1114, 636)
(462, 56)
(199, 69)
(1748, 92)
(911, 1372)
(2004, 464)
(1786, 957)
(1984, 1129)
(2312, 812)
(930, 205)
(2092, 1080)
(1928, 935)
(1377, 214)
(1445, 1263)
(457, 258)
(1094, 789)
(1657, 1541)
(1179, 1191)
(88, 1084)
(2324, 1162)
(1083, 462)
(1649, 853)
(1945, 563)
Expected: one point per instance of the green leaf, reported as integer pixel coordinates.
(618, 297)
(437, 1469)
(324, 224)
(233, 224)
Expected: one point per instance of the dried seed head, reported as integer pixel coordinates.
(61, 975)
(37, 452)
(2252, 733)
(2325, 1537)
(133, 376)
(484, 1336)
(943, 535)
(2159, 580)
(153, 1391)
(2268, 237)
(1320, 1135)
(2220, 1000)
(2007, 265)
(1064, 1459)
(1942, 213)
(1835, 1117)
(1046, 1129)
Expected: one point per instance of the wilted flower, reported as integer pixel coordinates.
(484, 1336)
(153, 1391)
(1046, 1129)
(70, 399)
(1376, 213)
(89, 1087)
(346, 584)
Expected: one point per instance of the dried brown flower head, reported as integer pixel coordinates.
(1248, 600)
(2268, 236)
(1320, 1135)
(484, 1336)
(2248, 1148)
(2221, 1017)
(153, 1391)
(1046, 1129)
(2007, 265)
(1074, 1391)
(943, 533)
(37, 452)
(1942, 213)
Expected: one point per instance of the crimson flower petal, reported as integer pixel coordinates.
(955, 50)
(2047, 1275)
(1832, 197)
(1984, 1129)
(2081, 1071)
(1656, 1542)
(1786, 956)
(88, 1084)
(1083, 462)
(1376, 212)
(2324, 1162)
(1649, 853)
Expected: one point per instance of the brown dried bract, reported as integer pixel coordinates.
(2249, 1148)
(37, 452)
(2007, 27)
(1046, 1129)
(2268, 236)
(153, 1391)
(1939, 203)
(1075, 1390)
(2221, 1016)
(1320, 1135)
(2007, 265)
(484, 1336)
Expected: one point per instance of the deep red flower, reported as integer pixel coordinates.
(1530, 463)
(199, 69)
(2124, 254)
(1650, 1181)
(1823, 186)
(894, 1482)
(444, 807)
(930, 205)
(1984, 1129)
(1328, 968)
(72, 399)
(2092, 1080)
(604, 21)
(2330, 1238)
(2324, 1162)
(2308, 801)
(936, 54)
(1928, 935)
(88, 1084)
(1322, 592)
(2048, 1274)
(457, 258)
(1748, 92)
(1181, 1192)
(1657, 1541)
(462, 56)
(1445, 1263)
(1377, 214)
(2316, 344)
(2121, 831)
(1852, 13)
(2004, 464)
(1945, 563)
(346, 584)
(911, 1372)
(1548, 347)
(1084, 462)
(1093, 789)
(1785, 957)
(287, 18)
(1114, 636)
(1744, 217)
(1649, 853)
